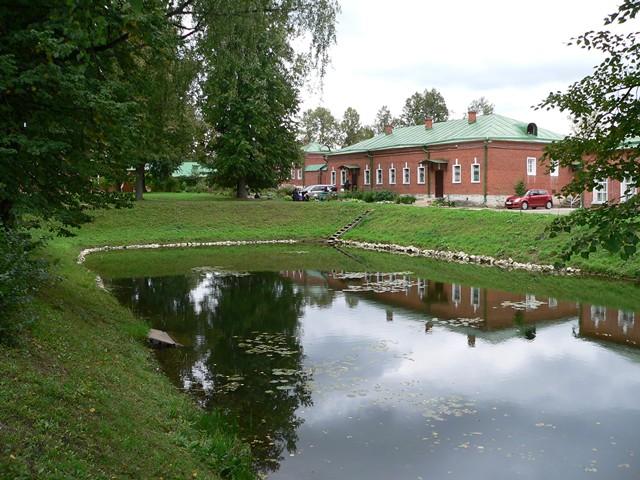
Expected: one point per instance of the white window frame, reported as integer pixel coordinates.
(532, 164)
(392, 175)
(299, 174)
(602, 195)
(334, 177)
(379, 176)
(598, 314)
(456, 293)
(553, 302)
(475, 165)
(293, 174)
(624, 185)
(367, 176)
(457, 168)
(406, 175)
(626, 319)
(554, 171)
(474, 298)
(422, 173)
(343, 176)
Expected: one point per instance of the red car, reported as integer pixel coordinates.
(531, 199)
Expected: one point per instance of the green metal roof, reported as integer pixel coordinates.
(191, 169)
(315, 168)
(314, 147)
(486, 127)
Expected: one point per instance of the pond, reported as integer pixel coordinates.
(357, 365)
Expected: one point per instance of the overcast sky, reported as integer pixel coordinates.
(513, 52)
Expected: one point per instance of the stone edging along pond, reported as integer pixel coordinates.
(448, 256)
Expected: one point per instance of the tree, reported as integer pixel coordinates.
(428, 104)
(251, 83)
(66, 106)
(351, 131)
(319, 125)
(604, 144)
(482, 106)
(383, 119)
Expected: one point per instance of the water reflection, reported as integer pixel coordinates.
(384, 375)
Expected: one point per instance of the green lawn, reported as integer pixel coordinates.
(80, 396)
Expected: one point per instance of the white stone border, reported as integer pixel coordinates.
(458, 257)
(152, 246)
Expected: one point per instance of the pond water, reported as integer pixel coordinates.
(344, 374)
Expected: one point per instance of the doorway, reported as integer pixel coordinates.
(439, 183)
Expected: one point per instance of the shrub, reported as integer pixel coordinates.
(520, 188)
(21, 275)
(406, 199)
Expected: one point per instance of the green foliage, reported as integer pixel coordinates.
(482, 106)
(371, 196)
(251, 84)
(419, 106)
(21, 274)
(383, 119)
(319, 125)
(520, 189)
(406, 199)
(604, 141)
(351, 130)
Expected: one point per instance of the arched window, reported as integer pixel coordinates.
(532, 129)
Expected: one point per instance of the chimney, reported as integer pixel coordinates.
(388, 129)
(471, 115)
(428, 123)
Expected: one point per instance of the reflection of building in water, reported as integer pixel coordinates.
(611, 324)
(479, 307)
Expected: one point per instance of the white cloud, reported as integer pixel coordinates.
(514, 53)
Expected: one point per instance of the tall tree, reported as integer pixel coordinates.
(251, 83)
(482, 106)
(604, 143)
(351, 130)
(383, 119)
(66, 107)
(319, 125)
(418, 106)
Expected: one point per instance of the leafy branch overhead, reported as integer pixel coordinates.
(605, 108)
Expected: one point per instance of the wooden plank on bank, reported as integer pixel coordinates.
(160, 338)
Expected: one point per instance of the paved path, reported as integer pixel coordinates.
(543, 211)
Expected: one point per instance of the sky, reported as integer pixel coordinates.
(513, 52)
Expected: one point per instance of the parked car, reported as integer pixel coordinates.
(320, 192)
(531, 199)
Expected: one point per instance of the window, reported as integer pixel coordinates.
(598, 314)
(475, 298)
(456, 293)
(627, 189)
(531, 166)
(421, 175)
(379, 176)
(333, 177)
(553, 302)
(626, 319)
(293, 174)
(406, 176)
(343, 176)
(555, 169)
(456, 173)
(475, 171)
(367, 176)
(600, 193)
(392, 176)
(299, 174)
(530, 302)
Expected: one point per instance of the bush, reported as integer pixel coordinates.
(201, 186)
(406, 199)
(21, 275)
(520, 188)
(169, 184)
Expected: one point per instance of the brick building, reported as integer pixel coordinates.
(314, 167)
(478, 159)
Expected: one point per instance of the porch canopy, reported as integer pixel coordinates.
(349, 167)
(315, 168)
(436, 161)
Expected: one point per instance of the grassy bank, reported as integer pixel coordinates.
(80, 396)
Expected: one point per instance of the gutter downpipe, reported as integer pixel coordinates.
(485, 169)
(370, 157)
(425, 148)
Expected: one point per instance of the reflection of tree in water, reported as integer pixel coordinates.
(215, 316)
(526, 331)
